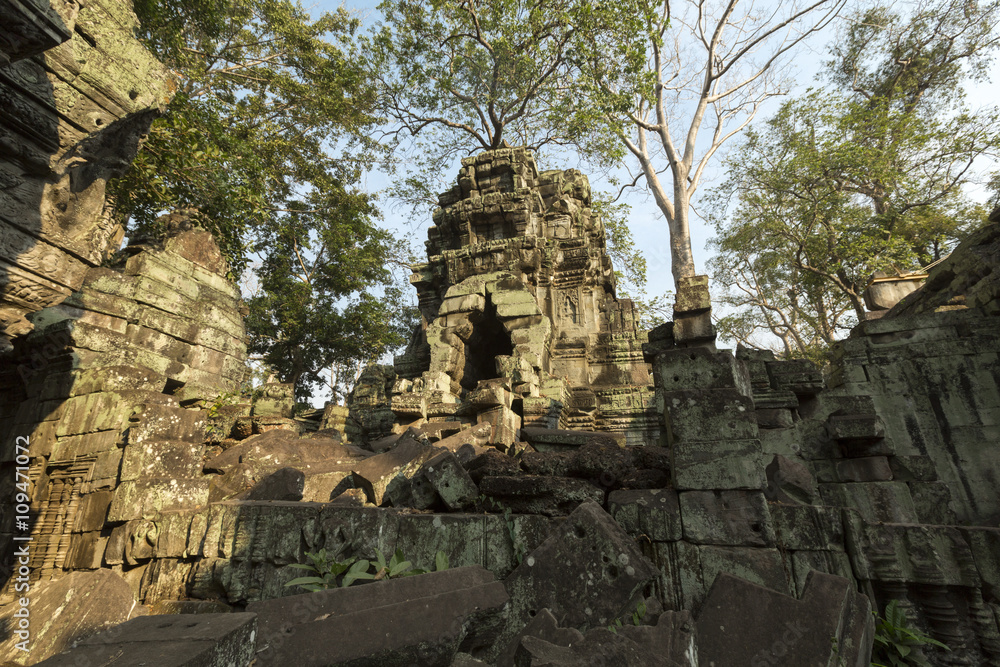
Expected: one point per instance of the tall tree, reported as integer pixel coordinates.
(703, 72)
(267, 136)
(867, 177)
(458, 77)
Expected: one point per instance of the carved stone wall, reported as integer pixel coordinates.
(77, 94)
(107, 377)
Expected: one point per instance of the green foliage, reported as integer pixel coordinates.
(327, 570)
(458, 77)
(896, 643)
(267, 136)
(519, 547)
(842, 183)
(637, 616)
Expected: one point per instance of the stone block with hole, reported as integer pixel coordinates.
(700, 368)
(726, 518)
(588, 572)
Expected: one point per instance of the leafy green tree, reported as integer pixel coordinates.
(457, 77)
(866, 177)
(267, 136)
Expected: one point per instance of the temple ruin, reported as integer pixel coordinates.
(600, 494)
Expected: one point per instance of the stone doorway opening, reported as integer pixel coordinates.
(488, 340)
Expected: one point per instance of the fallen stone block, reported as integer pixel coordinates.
(85, 603)
(267, 452)
(477, 437)
(492, 463)
(191, 640)
(422, 620)
(283, 484)
(374, 474)
(554, 439)
(534, 494)
(790, 481)
(743, 623)
(588, 572)
(669, 642)
(449, 480)
(603, 463)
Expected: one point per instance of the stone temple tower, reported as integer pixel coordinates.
(520, 323)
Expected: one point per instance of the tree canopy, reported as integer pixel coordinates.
(867, 175)
(268, 136)
(672, 85)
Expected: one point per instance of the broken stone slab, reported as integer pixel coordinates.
(193, 640)
(422, 620)
(554, 439)
(552, 464)
(375, 473)
(743, 623)
(588, 572)
(667, 642)
(534, 494)
(439, 430)
(85, 603)
(492, 463)
(726, 518)
(790, 481)
(469, 442)
(282, 484)
(449, 480)
(270, 451)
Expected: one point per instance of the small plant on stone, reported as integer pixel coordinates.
(212, 430)
(637, 616)
(896, 643)
(327, 571)
(520, 550)
(398, 566)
